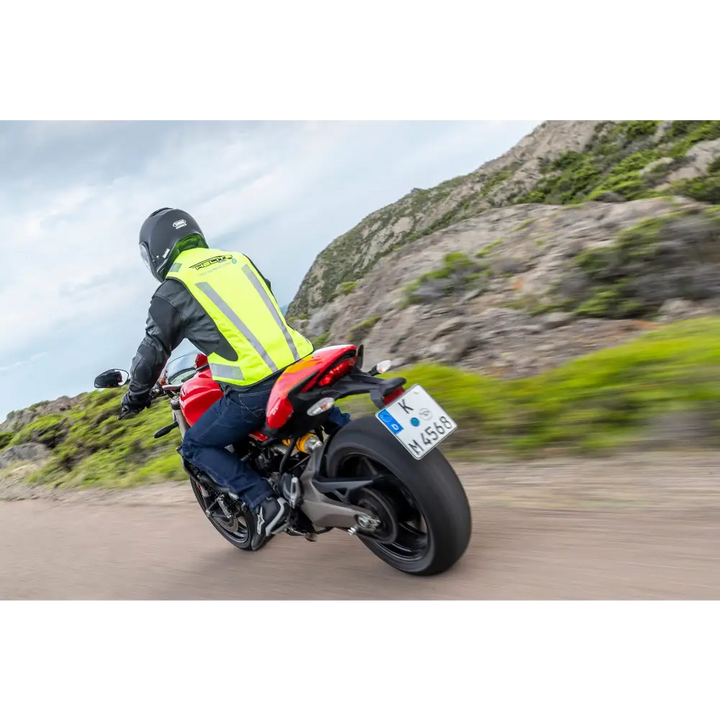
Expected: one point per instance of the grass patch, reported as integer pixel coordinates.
(648, 265)
(494, 180)
(524, 225)
(458, 273)
(489, 248)
(705, 188)
(99, 450)
(48, 430)
(690, 132)
(347, 287)
(360, 331)
(320, 340)
(594, 403)
(612, 160)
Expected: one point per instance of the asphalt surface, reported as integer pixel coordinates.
(621, 537)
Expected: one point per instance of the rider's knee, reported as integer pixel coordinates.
(188, 447)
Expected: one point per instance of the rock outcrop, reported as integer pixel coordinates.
(578, 238)
(28, 453)
(19, 419)
(495, 184)
(510, 318)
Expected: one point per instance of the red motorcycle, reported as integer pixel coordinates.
(381, 477)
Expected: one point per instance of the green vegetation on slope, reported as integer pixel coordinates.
(90, 446)
(595, 402)
(676, 255)
(612, 160)
(360, 331)
(615, 161)
(458, 272)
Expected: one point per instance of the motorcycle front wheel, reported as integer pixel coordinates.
(237, 531)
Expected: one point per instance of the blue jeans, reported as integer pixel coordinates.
(225, 422)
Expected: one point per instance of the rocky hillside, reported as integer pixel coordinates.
(658, 390)
(579, 237)
(562, 252)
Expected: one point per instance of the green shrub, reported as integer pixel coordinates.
(99, 449)
(633, 277)
(347, 287)
(360, 331)
(703, 189)
(637, 129)
(5, 439)
(458, 272)
(48, 430)
(691, 132)
(597, 401)
(320, 340)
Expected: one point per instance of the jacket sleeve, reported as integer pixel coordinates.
(163, 333)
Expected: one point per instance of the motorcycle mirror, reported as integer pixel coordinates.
(111, 379)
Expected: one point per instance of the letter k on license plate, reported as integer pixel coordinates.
(417, 421)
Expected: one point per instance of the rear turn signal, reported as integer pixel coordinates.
(321, 406)
(394, 395)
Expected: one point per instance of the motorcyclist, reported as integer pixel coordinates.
(221, 303)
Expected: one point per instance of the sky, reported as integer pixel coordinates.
(74, 291)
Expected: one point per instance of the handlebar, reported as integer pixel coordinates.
(168, 389)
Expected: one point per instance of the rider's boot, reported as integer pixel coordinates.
(271, 517)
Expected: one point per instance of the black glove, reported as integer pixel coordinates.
(155, 393)
(128, 410)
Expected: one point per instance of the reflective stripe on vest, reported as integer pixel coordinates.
(237, 299)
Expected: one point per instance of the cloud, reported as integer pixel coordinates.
(23, 363)
(75, 195)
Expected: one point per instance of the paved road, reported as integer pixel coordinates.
(72, 551)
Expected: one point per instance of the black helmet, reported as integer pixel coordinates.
(164, 235)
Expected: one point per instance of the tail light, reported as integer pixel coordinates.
(394, 395)
(200, 360)
(338, 371)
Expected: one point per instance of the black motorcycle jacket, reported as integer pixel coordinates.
(174, 315)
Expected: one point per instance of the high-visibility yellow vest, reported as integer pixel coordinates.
(236, 297)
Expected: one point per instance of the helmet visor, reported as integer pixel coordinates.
(145, 256)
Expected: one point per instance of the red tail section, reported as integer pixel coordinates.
(305, 372)
(199, 393)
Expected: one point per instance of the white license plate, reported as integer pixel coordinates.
(417, 421)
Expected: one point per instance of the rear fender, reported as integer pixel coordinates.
(356, 383)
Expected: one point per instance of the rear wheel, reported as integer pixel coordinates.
(424, 512)
(236, 530)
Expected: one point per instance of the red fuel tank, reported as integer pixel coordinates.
(197, 395)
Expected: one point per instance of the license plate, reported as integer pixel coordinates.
(417, 421)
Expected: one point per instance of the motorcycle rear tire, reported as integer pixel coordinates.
(434, 486)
